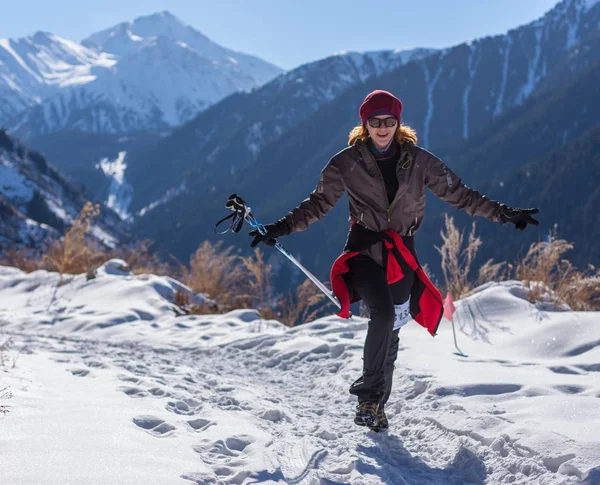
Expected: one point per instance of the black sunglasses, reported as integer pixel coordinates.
(387, 122)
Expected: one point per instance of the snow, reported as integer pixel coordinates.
(500, 98)
(103, 236)
(573, 29)
(169, 195)
(36, 67)
(590, 3)
(533, 68)
(59, 210)
(120, 193)
(254, 139)
(115, 168)
(19, 180)
(5, 44)
(151, 72)
(471, 67)
(113, 387)
(13, 184)
(430, 83)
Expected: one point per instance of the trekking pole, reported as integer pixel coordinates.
(449, 310)
(461, 353)
(243, 213)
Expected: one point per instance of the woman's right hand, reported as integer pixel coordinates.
(278, 229)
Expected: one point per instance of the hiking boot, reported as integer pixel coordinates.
(381, 423)
(366, 414)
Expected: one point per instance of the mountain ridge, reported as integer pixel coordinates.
(285, 170)
(157, 81)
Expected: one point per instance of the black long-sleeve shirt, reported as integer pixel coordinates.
(386, 161)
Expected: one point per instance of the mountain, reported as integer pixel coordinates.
(565, 188)
(35, 68)
(233, 133)
(543, 154)
(37, 202)
(152, 73)
(555, 166)
(78, 154)
(449, 96)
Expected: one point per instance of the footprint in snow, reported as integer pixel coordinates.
(137, 369)
(275, 415)
(155, 426)
(217, 477)
(229, 403)
(570, 389)
(299, 457)
(79, 372)
(200, 424)
(61, 360)
(327, 435)
(134, 380)
(185, 406)
(564, 370)
(228, 452)
(95, 364)
(133, 391)
(478, 390)
(158, 392)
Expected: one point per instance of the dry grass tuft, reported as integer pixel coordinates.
(215, 271)
(227, 279)
(491, 271)
(258, 277)
(76, 253)
(141, 260)
(303, 305)
(456, 260)
(548, 275)
(184, 303)
(27, 260)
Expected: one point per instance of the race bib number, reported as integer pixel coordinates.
(402, 314)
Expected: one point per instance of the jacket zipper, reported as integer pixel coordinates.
(389, 216)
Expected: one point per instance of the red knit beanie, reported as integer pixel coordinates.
(380, 102)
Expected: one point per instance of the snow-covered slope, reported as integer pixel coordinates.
(109, 376)
(132, 38)
(37, 202)
(36, 67)
(153, 72)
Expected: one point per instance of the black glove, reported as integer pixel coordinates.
(519, 217)
(278, 229)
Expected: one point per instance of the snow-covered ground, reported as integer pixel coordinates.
(111, 387)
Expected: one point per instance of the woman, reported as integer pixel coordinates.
(385, 174)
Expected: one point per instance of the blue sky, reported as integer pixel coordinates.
(288, 32)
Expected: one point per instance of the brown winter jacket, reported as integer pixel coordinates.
(355, 170)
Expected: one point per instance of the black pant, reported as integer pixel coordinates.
(381, 345)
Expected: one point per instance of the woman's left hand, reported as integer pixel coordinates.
(519, 217)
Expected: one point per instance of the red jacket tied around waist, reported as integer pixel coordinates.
(426, 304)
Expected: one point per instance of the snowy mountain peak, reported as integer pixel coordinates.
(590, 3)
(43, 38)
(33, 68)
(160, 23)
(151, 72)
(129, 37)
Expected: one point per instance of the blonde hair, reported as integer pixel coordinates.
(403, 133)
